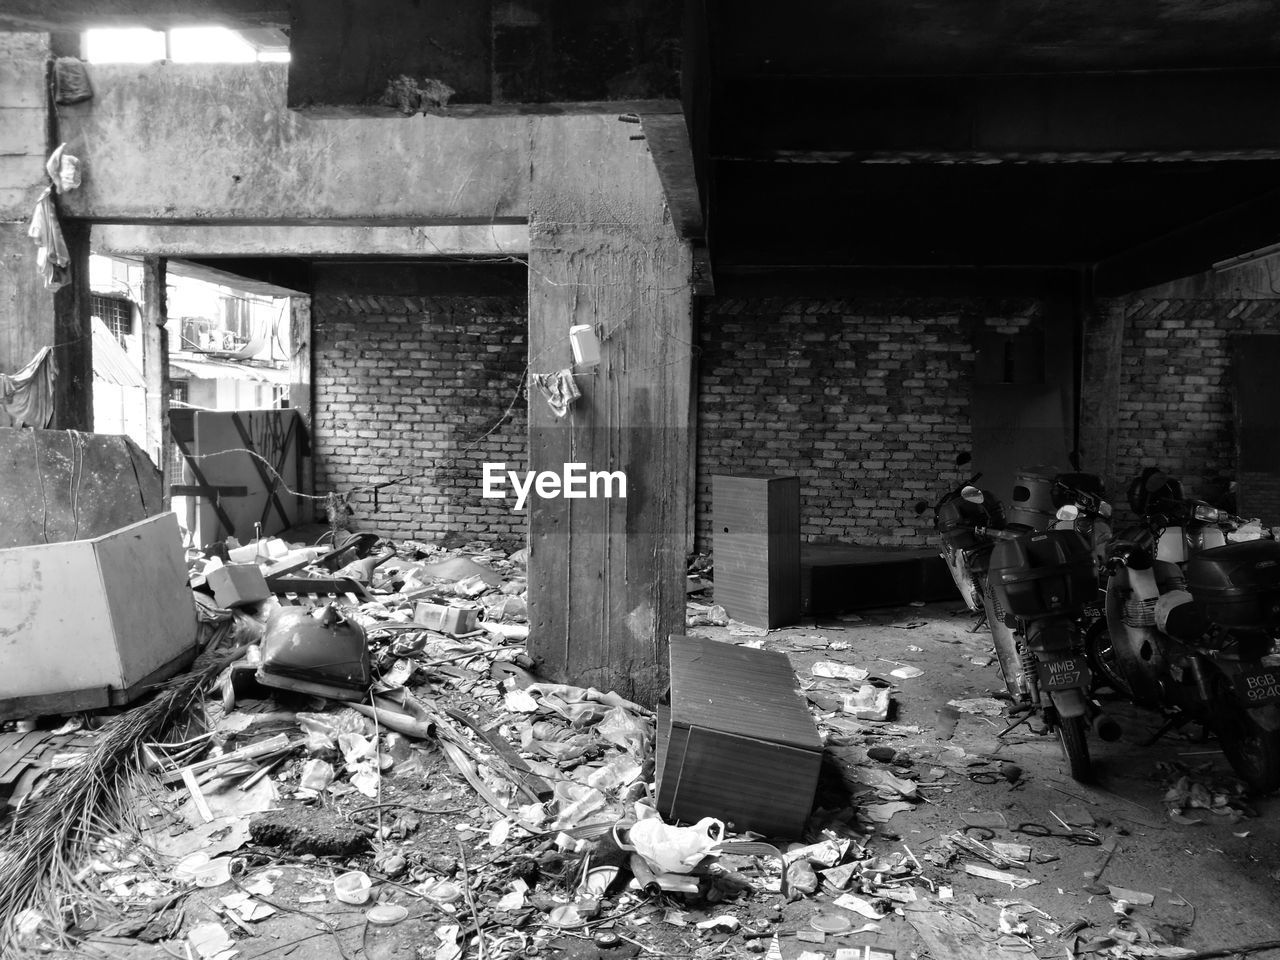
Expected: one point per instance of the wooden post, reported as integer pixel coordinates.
(606, 576)
(300, 395)
(155, 366)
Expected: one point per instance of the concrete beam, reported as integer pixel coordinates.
(68, 15)
(195, 143)
(274, 240)
(668, 139)
(1192, 249)
(232, 278)
(1162, 115)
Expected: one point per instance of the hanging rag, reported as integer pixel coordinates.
(27, 396)
(559, 389)
(51, 257)
(63, 169)
(70, 81)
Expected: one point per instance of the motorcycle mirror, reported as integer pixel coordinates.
(971, 494)
(1104, 508)
(921, 507)
(1068, 511)
(963, 458)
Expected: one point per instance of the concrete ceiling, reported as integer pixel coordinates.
(1118, 141)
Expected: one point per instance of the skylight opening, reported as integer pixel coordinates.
(179, 45)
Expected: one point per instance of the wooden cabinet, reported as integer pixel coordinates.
(737, 741)
(756, 548)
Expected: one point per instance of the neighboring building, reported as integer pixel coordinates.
(228, 350)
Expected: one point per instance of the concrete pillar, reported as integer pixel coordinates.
(606, 576)
(155, 364)
(1100, 391)
(300, 397)
(32, 316)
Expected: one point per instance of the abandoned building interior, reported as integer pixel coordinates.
(705, 380)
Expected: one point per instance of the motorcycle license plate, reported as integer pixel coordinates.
(1064, 674)
(1258, 684)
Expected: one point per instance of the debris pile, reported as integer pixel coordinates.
(365, 753)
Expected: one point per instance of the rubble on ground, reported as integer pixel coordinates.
(470, 808)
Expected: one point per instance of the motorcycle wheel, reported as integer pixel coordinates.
(1075, 747)
(1252, 750)
(1102, 659)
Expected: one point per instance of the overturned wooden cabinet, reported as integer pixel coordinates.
(736, 741)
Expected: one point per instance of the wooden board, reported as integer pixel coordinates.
(220, 442)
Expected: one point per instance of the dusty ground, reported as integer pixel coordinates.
(1214, 883)
(1224, 870)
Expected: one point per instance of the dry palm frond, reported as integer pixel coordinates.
(53, 835)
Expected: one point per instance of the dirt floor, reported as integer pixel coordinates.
(1211, 876)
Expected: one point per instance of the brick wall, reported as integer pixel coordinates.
(1175, 397)
(867, 402)
(402, 384)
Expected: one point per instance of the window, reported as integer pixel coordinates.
(211, 44)
(115, 312)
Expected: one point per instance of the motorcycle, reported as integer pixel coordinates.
(962, 516)
(1031, 586)
(1191, 619)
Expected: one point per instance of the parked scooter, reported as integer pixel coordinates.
(1032, 586)
(1191, 620)
(963, 518)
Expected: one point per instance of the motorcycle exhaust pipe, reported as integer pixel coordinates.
(1106, 728)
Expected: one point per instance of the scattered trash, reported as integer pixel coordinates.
(353, 887)
(1135, 897)
(868, 703)
(837, 671)
(1015, 882)
(906, 673)
(979, 706)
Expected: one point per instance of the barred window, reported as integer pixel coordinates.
(115, 312)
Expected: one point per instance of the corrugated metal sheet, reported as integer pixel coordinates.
(110, 362)
(207, 368)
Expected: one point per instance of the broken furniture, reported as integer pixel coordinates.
(319, 652)
(736, 741)
(756, 545)
(245, 464)
(237, 584)
(91, 623)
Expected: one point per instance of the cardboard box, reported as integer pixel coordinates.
(445, 618)
(90, 623)
(237, 584)
(737, 741)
